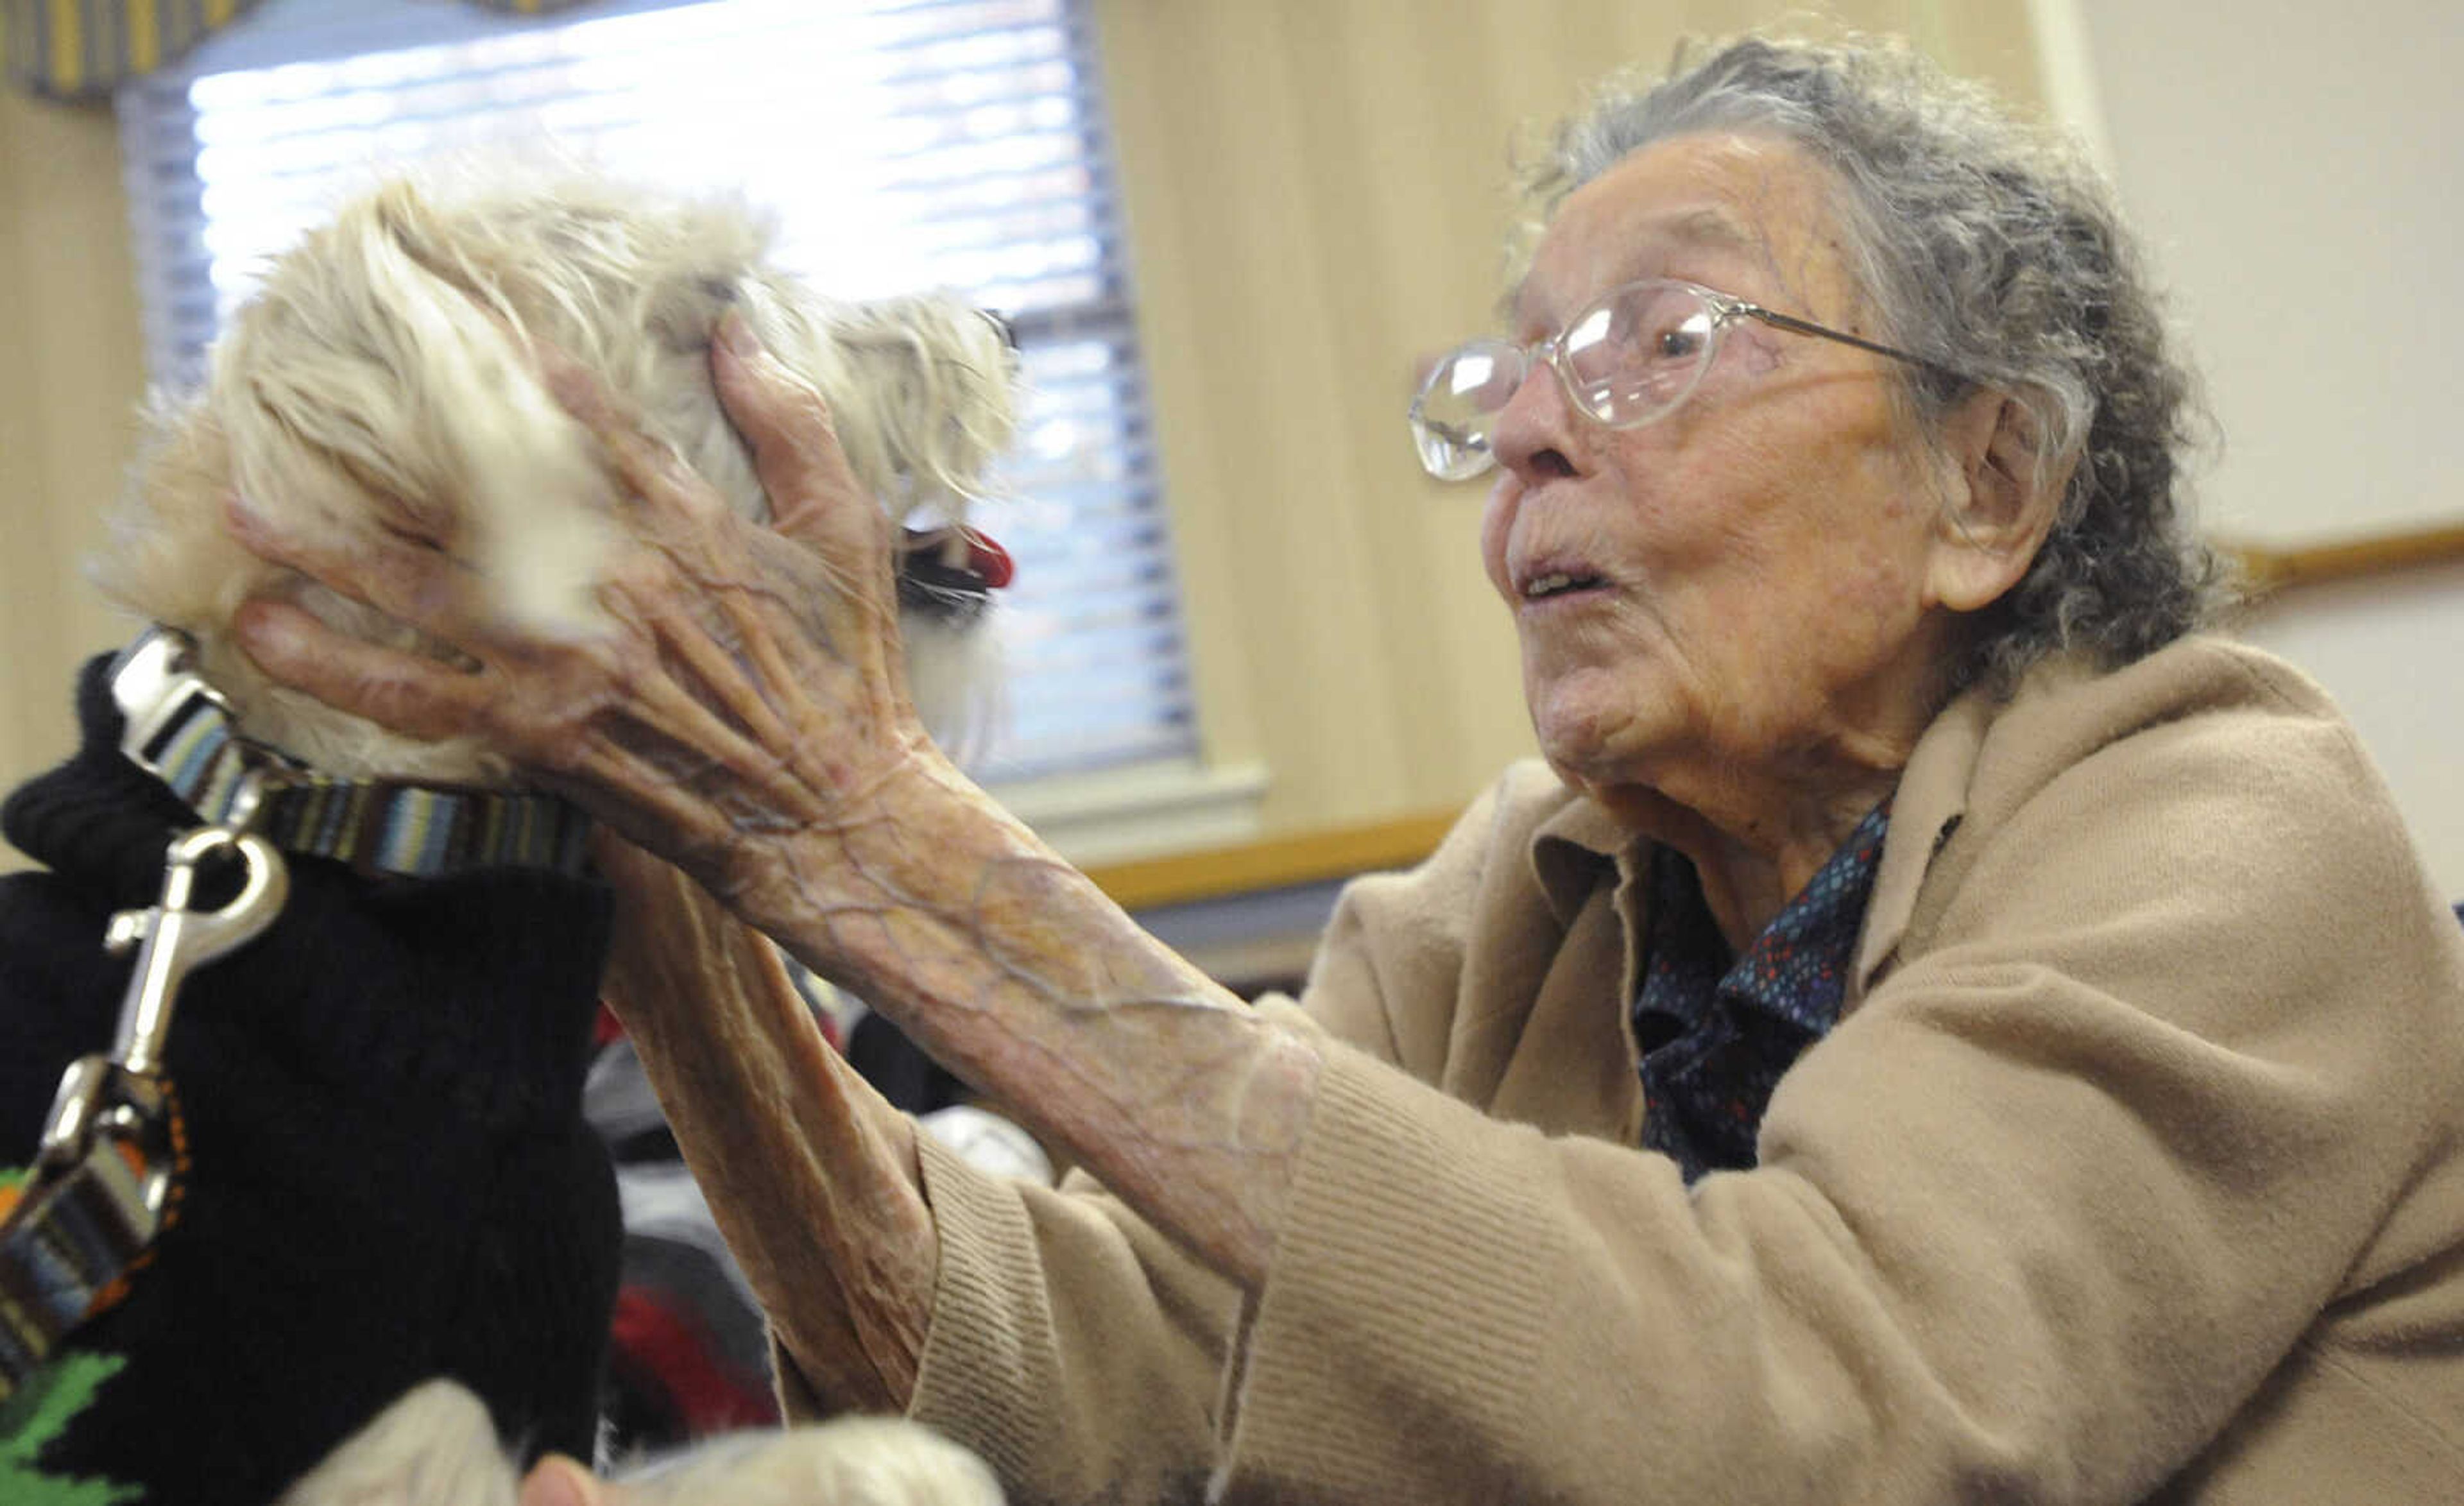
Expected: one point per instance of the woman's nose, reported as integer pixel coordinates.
(1537, 433)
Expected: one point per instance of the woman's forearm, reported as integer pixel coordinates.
(1015, 971)
(811, 1176)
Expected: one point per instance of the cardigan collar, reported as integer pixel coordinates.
(1579, 848)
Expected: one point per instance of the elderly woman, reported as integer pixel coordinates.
(1936, 1029)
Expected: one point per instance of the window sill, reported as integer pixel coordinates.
(1120, 814)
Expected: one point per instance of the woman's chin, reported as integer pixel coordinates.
(1595, 729)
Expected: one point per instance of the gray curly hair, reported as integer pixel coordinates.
(1988, 248)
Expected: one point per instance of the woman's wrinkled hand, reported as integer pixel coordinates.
(750, 685)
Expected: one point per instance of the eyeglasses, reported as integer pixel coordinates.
(1628, 359)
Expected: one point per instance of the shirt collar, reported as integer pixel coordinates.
(1797, 968)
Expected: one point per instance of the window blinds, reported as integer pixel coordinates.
(950, 143)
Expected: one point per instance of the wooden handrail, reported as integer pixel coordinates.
(1275, 863)
(2268, 569)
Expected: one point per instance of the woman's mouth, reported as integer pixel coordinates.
(1557, 585)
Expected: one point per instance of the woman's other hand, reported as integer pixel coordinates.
(812, 1176)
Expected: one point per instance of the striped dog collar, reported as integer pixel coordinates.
(178, 729)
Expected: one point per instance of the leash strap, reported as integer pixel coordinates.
(68, 1242)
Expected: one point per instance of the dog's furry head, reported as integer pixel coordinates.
(435, 1448)
(377, 384)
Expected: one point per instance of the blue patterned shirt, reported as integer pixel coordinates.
(1716, 1032)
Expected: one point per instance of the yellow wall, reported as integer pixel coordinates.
(1315, 193)
(71, 375)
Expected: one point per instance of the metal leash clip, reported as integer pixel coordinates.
(104, 1177)
(122, 1094)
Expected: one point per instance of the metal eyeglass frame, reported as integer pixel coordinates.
(1726, 309)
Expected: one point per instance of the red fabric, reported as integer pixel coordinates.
(709, 1394)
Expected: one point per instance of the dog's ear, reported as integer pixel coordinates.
(374, 385)
(935, 381)
(435, 1447)
(382, 376)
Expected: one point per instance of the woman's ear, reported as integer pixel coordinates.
(2002, 494)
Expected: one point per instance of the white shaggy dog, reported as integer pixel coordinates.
(435, 1448)
(377, 384)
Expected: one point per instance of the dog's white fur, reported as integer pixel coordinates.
(435, 1448)
(377, 384)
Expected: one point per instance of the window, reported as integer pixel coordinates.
(966, 137)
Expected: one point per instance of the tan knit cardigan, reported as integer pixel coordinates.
(2134, 1170)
